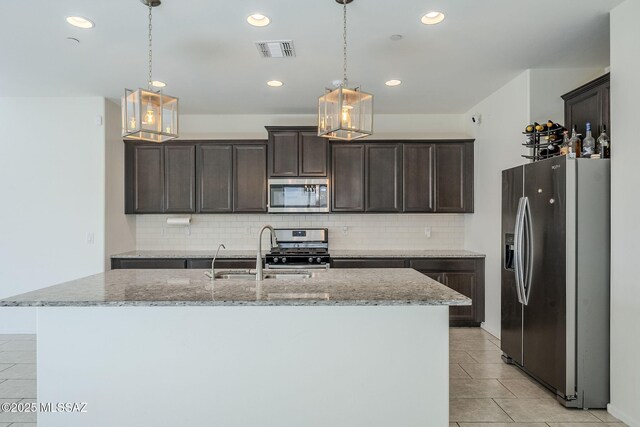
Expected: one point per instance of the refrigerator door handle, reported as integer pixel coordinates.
(517, 250)
(528, 260)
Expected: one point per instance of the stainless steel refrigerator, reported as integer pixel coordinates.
(555, 276)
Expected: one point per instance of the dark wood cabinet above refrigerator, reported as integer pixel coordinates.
(589, 103)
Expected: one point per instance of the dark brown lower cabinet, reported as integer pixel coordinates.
(146, 263)
(221, 263)
(368, 263)
(167, 263)
(463, 275)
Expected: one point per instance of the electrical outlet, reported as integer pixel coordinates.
(345, 230)
(247, 230)
(90, 238)
(427, 232)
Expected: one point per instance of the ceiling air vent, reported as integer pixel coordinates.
(276, 49)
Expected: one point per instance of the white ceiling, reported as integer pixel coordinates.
(205, 51)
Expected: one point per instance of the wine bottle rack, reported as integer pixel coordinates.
(539, 147)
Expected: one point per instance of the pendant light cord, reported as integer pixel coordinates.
(150, 54)
(344, 46)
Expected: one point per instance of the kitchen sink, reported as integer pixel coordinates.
(246, 275)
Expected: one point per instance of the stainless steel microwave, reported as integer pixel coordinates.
(298, 195)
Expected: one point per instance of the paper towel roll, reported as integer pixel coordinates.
(179, 221)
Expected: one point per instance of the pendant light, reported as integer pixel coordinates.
(148, 114)
(345, 113)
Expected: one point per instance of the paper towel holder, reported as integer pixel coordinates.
(180, 221)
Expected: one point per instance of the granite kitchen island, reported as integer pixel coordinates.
(344, 347)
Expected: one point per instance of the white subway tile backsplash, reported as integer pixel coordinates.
(364, 231)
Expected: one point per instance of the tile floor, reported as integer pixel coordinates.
(484, 392)
(17, 377)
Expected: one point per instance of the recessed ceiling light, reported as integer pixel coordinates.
(258, 20)
(80, 22)
(393, 82)
(396, 37)
(275, 83)
(432, 18)
(73, 39)
(158, 83)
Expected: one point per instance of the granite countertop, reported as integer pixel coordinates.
(223, 254)
(335, 253)
(404, 253)
(350, 287)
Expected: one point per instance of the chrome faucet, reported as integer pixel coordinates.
(274, 241)
(213, 262)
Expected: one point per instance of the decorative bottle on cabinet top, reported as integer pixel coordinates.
(603, 143)
(589, 143)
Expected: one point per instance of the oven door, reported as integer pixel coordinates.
(298, 195)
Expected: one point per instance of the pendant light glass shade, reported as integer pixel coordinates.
(345, 113)
(149, 116)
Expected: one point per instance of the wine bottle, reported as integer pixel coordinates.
(530, 128)
(588, 144)
(564, 148)
(603, 143)
(574, 144)
(551, 126)
(540, 128)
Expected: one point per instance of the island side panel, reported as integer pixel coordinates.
(245, 366)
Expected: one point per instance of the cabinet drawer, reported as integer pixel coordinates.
(221, 263)
(440, 264)
(368, 263)
(148, 263)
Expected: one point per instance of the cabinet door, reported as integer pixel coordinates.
(180, 178)
(347, 171)
(418, 177)
(454, 177)
(463, 283)
(313, 154)
(250, 178)
(283, 154)
(383, 178)
(215, 178)
(145, 179)
(588, 103)
(584, 108)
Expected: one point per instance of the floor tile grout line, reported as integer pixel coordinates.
(502, 409)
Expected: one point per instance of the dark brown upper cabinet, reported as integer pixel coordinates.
(454, 177)
(347, 177)
(589, 103)
(383, 184)
(159, 179)
(180, 178)
(249, 178)
(296, 151)
(418, 177)
(215, 178)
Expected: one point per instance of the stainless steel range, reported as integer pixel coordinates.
(300, 248)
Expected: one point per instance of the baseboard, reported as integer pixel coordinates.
(628, 420)
(491, 331)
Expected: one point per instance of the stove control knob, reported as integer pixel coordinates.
(310, 259)
(284, 259)
(319, 260)
(275, 259)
